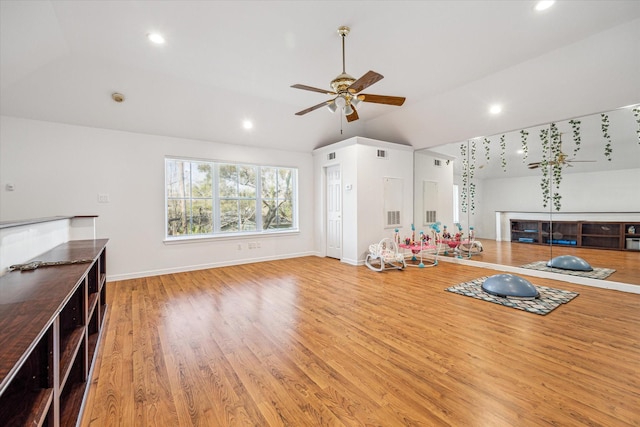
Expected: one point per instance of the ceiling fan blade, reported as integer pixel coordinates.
(383, 99)
(365, 81)
(581, 161)
(533, 165)
(313, 89)
(310, 109)
(353, 116)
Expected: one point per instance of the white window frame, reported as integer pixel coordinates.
(216, 233)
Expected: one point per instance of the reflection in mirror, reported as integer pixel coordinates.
(571, 184)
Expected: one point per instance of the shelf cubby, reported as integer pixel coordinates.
(27, 400)
(51, 326)
(584, 234)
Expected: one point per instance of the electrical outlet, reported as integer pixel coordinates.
(239, 246)
(103, 198)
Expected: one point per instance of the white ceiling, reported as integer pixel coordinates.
(225, 61)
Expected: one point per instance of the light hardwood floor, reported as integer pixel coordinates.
(313, 342)
(626, 263)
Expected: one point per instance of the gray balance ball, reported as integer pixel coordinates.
(508, 285)
(569, 262)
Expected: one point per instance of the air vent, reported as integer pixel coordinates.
(393, 218)
(429, 217)
(437, 162)
(382, 154)
(331, 156)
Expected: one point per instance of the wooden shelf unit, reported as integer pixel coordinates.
(51, 321)
(582, 234)
(631, 239)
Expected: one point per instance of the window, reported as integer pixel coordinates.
(212, 198)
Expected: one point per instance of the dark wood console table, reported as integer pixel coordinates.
(51, 320)
(582, 234)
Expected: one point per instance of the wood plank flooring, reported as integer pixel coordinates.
(626, 263)
(313, 342)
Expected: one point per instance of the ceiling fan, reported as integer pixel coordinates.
(561, 159)
(346, 90)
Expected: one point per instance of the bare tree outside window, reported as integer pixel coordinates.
(246, 198)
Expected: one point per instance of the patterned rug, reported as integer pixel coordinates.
(597, 273)
(550, 298)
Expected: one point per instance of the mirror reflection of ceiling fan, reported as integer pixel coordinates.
(346, 90)
(561, 159)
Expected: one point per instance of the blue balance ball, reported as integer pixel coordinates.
(508, 285)
(569, 262)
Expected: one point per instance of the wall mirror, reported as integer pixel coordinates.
(511, 176)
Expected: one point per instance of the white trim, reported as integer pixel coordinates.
(183, 269)
(199, 238)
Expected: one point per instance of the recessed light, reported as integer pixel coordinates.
(520, 151)
(544, 5)
(156, 38)
(495, 109)
(247, 124)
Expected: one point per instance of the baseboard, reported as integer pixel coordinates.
(186, 268)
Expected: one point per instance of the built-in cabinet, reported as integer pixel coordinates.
(51, 320)
(584, 234)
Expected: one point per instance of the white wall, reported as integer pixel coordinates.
(371, 173)
(24, 242)
(475, 218)
(425, 170)
(363, 204)
(610, 191)
(60, 169)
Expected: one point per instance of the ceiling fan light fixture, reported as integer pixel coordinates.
(346, 90)
(348, 110)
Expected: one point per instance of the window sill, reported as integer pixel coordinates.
(227, 237)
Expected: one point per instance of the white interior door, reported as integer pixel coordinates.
(334, 212)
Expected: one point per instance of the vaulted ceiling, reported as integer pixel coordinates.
(227, 61)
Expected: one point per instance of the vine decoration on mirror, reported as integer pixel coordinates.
(503, 149)
(605, 134)
(525, 148)
(556, 164)
(575, 127)
(486, 144)
(472, 185)
(636, 114)
(465, 176)
(544, 166)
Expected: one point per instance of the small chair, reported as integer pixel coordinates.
(385, 256)
(471, 246)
